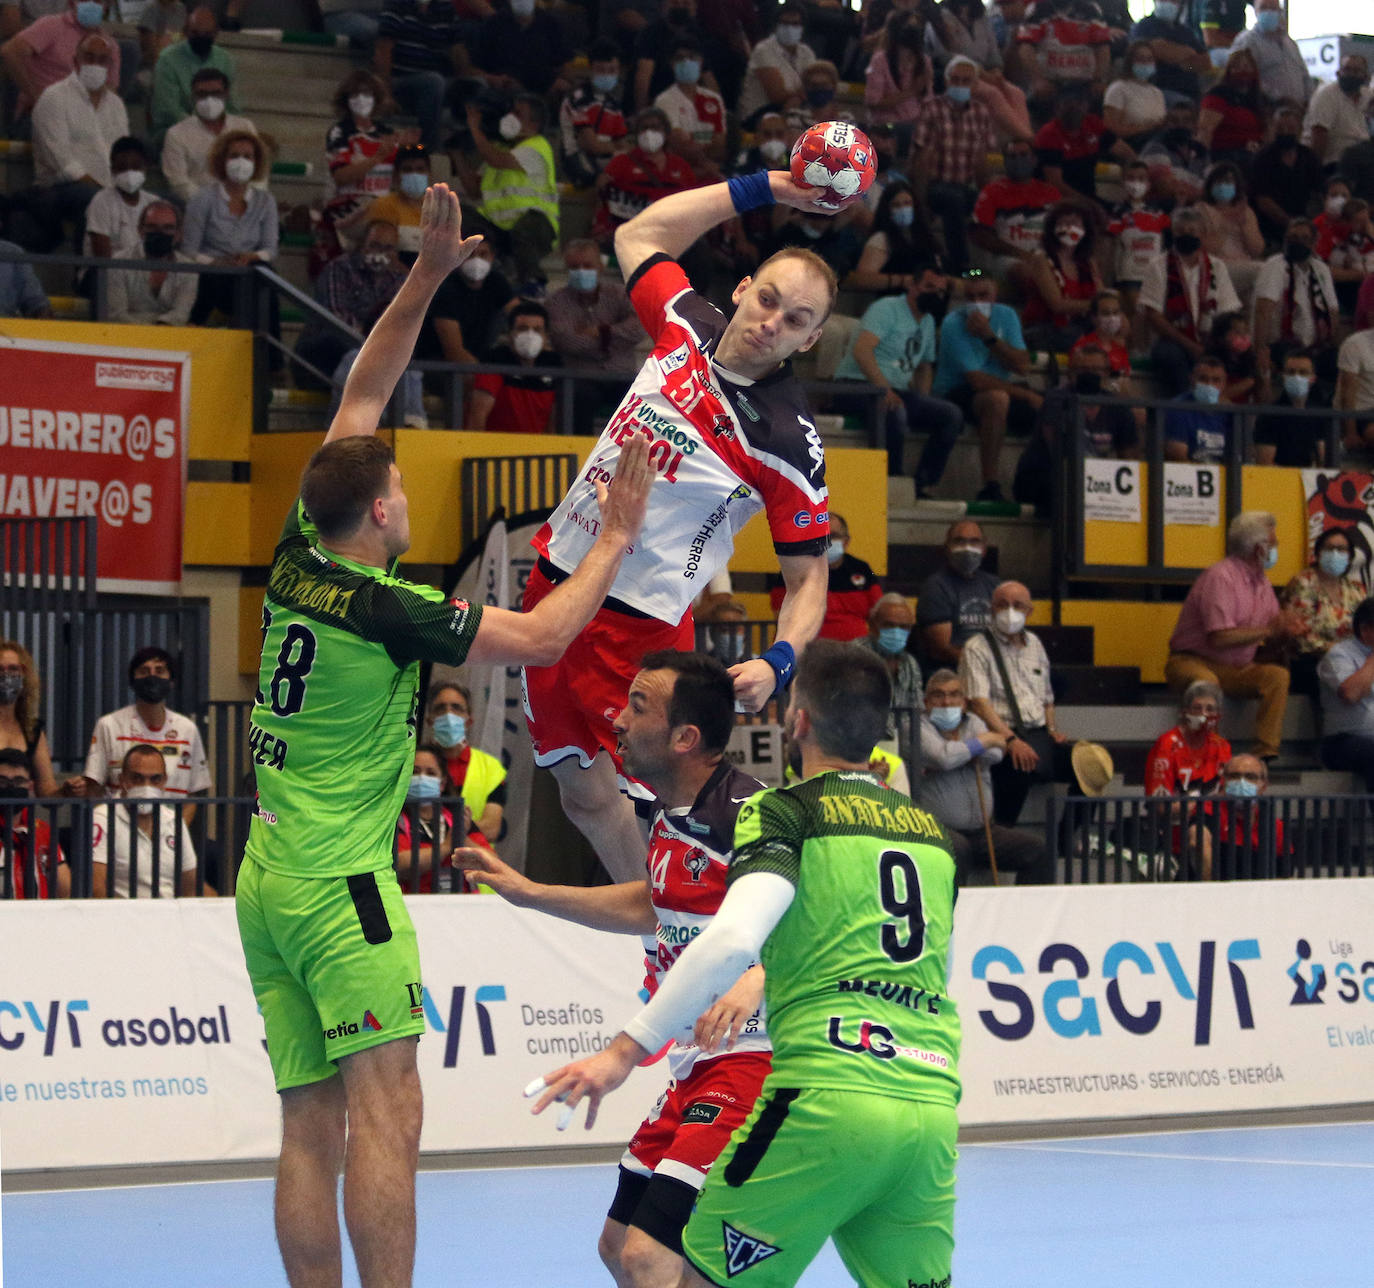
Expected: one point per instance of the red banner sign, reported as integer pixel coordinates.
(88, 430)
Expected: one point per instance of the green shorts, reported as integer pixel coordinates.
(334, 966)
(874, 1172)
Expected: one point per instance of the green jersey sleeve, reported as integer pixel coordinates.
(297, 527)
(769, 833)
(420, 624)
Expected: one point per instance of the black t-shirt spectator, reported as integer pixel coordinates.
(1295, 438)
(423, 38)
(1357, 166)
(1286, 172)
(658, 41)
(476, 309)
(964, 602)
(532, 55)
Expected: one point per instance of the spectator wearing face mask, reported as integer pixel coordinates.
(655, 45)
(1063, 280)
(1296, 304)
(1107, 330)
(1187, 759)
(950, 145)
(955, 603)
(900, 74)
(634, 179)
(1231, 609)
(112, 218)
(177, 65)
(523, 404)
(401, 206)
(148, 720)
(1061, 45)
(1180, 58)
(726, 637)
(770, 148)
(1332, 224)
(1070, 145)
(1199, 434)
(1233, 346)
(21, 727)
(1009, 214)
(773, 77)
(1229, 840)
(1133, 107)
(1286, 172)
(153, 296)
(467, 312)
(425, 831)
(963, 28)
(1337, 116)
(41, 54)
(591, 120)
(186, 147)
(478, 776)
(1350, 256)
(360, 149)
(1280, 69)
(901, 244)
(890, 623)
(1346, 674)
(36, 865)
(1230, 123)
(820, 84)
(695, 113)
(1177, 161)
(154, 847)
(1322, 599)
(1230, 231)
(1294, 441)
(523, 47)
(852, 591)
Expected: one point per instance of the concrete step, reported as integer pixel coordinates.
(1157, 714)
(270, 61)
(1024, 544)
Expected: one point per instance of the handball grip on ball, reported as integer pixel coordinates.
(750, 191)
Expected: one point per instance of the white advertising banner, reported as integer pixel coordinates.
(1145, 1000)
(1111, 490)
(129, 1033)
(1192, 495)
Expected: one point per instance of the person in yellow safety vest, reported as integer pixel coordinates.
(518, 210)
(480, 778)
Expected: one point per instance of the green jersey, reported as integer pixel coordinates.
(332, 735)
(855, 971)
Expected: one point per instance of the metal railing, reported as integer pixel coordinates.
(1191, 838)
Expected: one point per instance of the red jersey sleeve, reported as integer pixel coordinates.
(655, 284)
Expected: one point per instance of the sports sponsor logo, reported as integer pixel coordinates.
(877, 1040)
(348, 1029)
(744, 1250)
(175, 1029)
(701, 1112)
(930, 1283)
(801, 519)
(134, 375)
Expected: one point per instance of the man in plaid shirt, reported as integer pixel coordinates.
(950, 143)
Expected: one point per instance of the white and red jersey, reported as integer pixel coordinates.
(177, 738)
(1139, 233)
(689, 855)
(725, 447)
(1067, 47)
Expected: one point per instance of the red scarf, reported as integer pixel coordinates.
(1176, 308)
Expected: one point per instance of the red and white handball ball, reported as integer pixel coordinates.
(835, 156)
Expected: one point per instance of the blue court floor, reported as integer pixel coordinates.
(1270, 1207)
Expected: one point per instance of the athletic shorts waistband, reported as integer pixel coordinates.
(554, 574)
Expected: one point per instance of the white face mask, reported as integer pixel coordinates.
(145, 796)
(1334, 206)
(509, 125)
(772, 149)
(1137, 188)
(789, 34)
(981, 306)
(92, 76)
(651, 140)
(1010, 621)
(475, 269)
(129, 181)
(522, 8)
(210, 109)
(362, 105)
(528, 344)
(239, 169)
(1110, 323)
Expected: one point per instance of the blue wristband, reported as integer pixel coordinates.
(749, 192)
(783, 659)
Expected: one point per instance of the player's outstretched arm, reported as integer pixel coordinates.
(752, 906)
(387, 350)
(671, 224)
(539, 637)
(623, 909)
(807, 579)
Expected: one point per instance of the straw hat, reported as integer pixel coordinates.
(1092, 766)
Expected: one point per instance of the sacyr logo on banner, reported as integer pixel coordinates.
(173, 1029)
(1084, 1019)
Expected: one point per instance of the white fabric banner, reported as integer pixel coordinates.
(1145, 1000)
(1111, 490)
(129, 1033)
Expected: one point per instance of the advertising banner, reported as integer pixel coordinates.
(1144, 1000)
(1111, 490)
(129, 1033)
(92, 430)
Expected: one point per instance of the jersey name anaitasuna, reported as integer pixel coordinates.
(855, 971)
(332, 735)
(724, 448)
(689, 859)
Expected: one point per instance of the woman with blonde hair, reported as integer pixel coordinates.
(20, 725)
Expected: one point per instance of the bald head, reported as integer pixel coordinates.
(201, 22)
(1012, 594)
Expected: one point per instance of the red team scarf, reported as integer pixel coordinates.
(1176, 308)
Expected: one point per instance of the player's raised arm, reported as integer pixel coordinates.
(541, 636)
(387, 350)
(671, 224)
(807, 579)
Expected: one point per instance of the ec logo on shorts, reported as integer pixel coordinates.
(743, 1250)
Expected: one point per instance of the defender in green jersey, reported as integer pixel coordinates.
(844, 890)
(329, 946)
